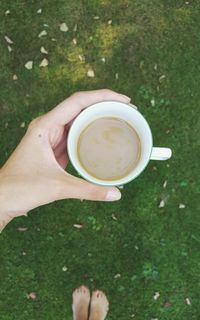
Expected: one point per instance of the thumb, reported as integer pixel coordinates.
(76, 188)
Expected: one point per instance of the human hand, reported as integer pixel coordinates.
(34, 174)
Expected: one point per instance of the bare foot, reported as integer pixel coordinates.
(80, 305)
(98, 306)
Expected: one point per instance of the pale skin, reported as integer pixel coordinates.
(34, 174)
(85, 307)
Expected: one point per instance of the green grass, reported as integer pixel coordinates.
(153, 249)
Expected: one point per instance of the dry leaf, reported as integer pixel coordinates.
(162, 204)
(188, 302)
(156, 295)
(78, 226)
(64, 268)
(31, 296)
(81, 57)
(42, 34)
(63, 27)
(167, 304)
(162, 77)
(165, 184)
(44, 63)
(43, 50)
(181, 206)
(90, 73)
(8, 40)
(7, 12)
(155, 67)
(15, 77)
(22, 125)
(74, 41)
(10, 48)
(22, 229)
(153, 102)
(29, 65)
(39, 11)
(75, 28)
(114, 217)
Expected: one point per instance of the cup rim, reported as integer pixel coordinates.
(99, 181)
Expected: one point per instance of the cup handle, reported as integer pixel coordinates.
(161, 153)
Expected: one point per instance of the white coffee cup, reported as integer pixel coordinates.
(134, 118)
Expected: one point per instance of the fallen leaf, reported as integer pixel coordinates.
(7, 12)
(15, 77)
(114, 217)
(45, 25)
(39, 11)
(22, 229)
(96, 17)
(153, 102)
(75, 28)
(63, 27)
(155, 67)
(29, 65)
(81, 57)
(188, 302)
(8, 40)
(162, 78)
(118, 275)
(10, 48)
(162, 204)
(43, 50)
(167, 304)
(74, 41)
(31, 296)
(53, 39)
(109, 21)
(90, 73)
(77, 226)
(156, 295)
(165, 184)
(22, 125)
(44, 63)
(24, 253)
(42, 34)
(64, 268)
(181, 206)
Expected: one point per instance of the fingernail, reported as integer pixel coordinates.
(113, 195)
(126, 97)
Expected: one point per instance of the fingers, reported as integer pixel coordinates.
(71, 107)
(76, 188)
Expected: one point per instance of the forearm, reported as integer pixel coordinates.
(7, 201)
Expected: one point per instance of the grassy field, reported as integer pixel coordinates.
(148, 50)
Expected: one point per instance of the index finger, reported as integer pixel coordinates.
(72, 106)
